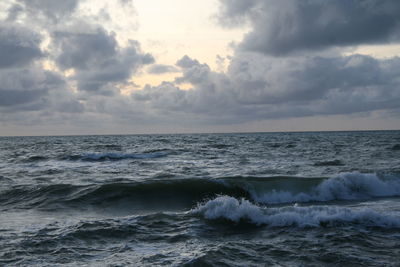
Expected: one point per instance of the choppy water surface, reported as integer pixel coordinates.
(307, 199)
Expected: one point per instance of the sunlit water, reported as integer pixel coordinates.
(307, 199)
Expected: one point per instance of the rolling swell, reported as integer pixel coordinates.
(160, 195)
(170, 194)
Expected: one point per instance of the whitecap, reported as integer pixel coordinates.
(236, 210)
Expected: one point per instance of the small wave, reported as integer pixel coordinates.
(218, 146)
(5, 179)
(232, 209)
(109, 147)
(335, 162)
(35, 158)
(396, 147)
(115, 156)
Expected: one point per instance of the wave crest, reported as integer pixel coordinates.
(346, 186)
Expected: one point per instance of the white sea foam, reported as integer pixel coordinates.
(225, 207)
(346, 186)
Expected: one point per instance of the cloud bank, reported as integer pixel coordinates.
(60, 65)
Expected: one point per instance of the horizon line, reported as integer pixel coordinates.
(184, 133)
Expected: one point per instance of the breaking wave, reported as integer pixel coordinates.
(232, 209)
(346, 186)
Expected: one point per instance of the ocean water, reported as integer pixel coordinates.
(284, 199)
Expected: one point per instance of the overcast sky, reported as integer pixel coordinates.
(157, 66)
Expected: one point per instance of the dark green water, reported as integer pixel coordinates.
(285, 199)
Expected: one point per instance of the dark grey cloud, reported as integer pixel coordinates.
(280, 27)
(85, 50)
(187, 62)
(25, 86)
(29, 89)
(13, 12)
(48, 9)
(161, 69)
(193, 71)
(12, 97)
(234, 13)
(268, 80)
(97, 58)
(317, 85)
(19, 46)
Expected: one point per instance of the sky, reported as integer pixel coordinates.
(183, 66)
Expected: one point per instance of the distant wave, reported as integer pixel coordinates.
(232, 209)
(185, 193)
(396, 147)
(335, 162)
(109, 156)
(115, 156)
(34, 159)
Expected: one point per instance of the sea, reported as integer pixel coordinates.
(241, 199)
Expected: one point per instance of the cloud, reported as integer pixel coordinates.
(76, 40)
(13, 97)
(161, 69)
(71, 73)
(97, 58)
(287, 26)
(35, 89)
(19, 46)
(258, 87)
(13, 12)
(233, 13)
(46, 9)
(193, 71)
